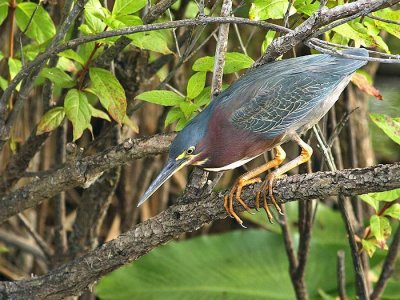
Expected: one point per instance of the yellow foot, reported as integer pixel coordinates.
(236, 190)
(267, 185)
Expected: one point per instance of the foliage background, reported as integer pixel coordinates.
(154, 86)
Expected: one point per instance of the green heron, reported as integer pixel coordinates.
(263, 109)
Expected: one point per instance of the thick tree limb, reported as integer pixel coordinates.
(319, 19)
(82, 172)
(74, 277)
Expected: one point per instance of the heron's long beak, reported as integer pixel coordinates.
(169, 169)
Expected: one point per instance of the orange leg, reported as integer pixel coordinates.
(305, 155)
(247, 179)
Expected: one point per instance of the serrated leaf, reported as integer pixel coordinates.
(369, 246)
(3, 10)
(131, 124)
(50, 120)
(196, 84)
(381, 229)
(41, 28)
(152, 40)
(110, 92)
(234, 61)
(173, 115)
(188, 108)
(362, 83)
(393, 211)
(127, 7)
(58, 77)
(77, 109)
(270, 9)
(71, 54)
(97, 113)
(161, 97)
(391, 126)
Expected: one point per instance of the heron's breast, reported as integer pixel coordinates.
(228, 147)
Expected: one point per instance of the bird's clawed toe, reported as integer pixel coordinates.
(236, 192)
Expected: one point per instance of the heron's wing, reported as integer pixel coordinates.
(282, 98)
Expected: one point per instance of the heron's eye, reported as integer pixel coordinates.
(190, 150)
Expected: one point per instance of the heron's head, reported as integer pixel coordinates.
(186, 149)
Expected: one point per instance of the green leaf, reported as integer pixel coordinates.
(3, 249)
(188, 108)
(130, 20)
(369, 246)
(357, 32)
(269, 37)
(58, 77)
(14, 66)
(41, 28)
(1, 55)
(173, 115)
(198, 268)
(181, 124)
(50, 120)
(78, 112)
(387, 196)
(204, 97)
(393, 211)
(307, 7)
(234, 61)
(269, 9)
(163, 273)
(131, 124)
(152, 40)
(3, 83)
(161, 97)
(97, 113)
(391, 126)
(71, 54)
(340, 39)
(371, 201)
(110, 92)
(127, 7)
(3, 10)
(196, 84)
(381, 229)
(390, 14)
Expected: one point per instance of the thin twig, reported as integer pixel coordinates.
(383, 20)
(361, 285)
(38, 239)
(222, 44)
(341, 275)
(388, 266)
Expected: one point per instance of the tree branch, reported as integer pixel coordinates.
(74, 277)
(82, 172)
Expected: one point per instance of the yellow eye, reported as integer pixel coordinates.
(190, 150)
